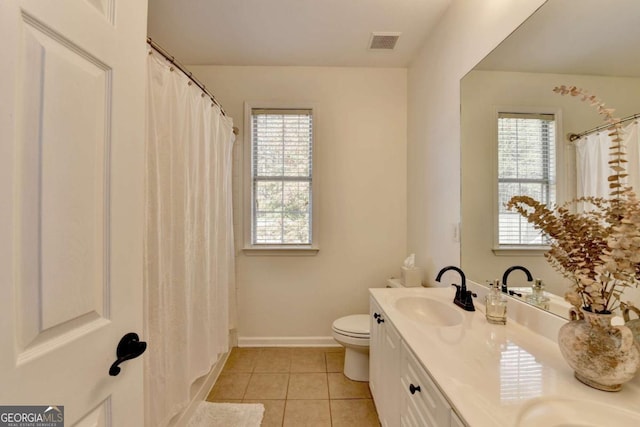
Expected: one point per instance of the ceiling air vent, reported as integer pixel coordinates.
(383, 40)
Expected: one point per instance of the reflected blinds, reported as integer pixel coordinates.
(526, 166)
(282, 147)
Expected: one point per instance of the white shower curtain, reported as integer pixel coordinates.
(189, 254)
(592, 155)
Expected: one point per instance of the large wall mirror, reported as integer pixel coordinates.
(592, 44)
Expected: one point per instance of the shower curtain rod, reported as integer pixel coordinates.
(575, 136)
(187, 73)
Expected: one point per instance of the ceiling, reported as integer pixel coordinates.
(291, 32)
(592, 37)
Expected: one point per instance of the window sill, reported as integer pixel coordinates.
(280, 250)
(520, 250)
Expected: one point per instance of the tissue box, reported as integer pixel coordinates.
(411, 276)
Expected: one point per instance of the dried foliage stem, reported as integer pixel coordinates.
(617, 149)
(598, 249)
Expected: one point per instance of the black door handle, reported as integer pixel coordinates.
(413, 388)
(129, 348)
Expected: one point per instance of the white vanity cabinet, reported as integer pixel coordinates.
(384, 367)
(404, 393)
(434, 364)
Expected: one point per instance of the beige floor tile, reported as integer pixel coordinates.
(246, 350)
(341, 387)
(307, 413)
(308, 386)
(354, 412)
(277, 351)
(308, 361)
(335, 362)
(241, 360)
(267, 386)
(334, 349)
(229, 386)
(273, 362)
(273, 412)
(260, 375)
(308, 350)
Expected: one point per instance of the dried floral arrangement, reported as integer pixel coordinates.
(598, 249)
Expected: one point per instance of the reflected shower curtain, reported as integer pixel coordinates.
(189, 255)
(592, 157)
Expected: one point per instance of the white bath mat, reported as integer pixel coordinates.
(209, 414)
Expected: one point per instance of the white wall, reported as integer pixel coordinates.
(482, 92)
(468, 31)
(384, 133)
(361, 137)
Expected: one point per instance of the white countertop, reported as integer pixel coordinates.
(489, 373)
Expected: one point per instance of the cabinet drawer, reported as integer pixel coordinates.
(426, 399)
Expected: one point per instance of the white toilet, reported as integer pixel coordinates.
(352, 332)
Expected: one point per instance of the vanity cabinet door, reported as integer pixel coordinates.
(422, 404)
(384, 367)
(390, 350)
(375, 354)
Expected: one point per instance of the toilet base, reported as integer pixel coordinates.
(356, 363)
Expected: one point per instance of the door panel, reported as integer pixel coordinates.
(63, 152)
(99, 417)
(105, 7)
(71, 205)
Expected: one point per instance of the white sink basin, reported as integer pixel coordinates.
(429, 311)
(550, 411)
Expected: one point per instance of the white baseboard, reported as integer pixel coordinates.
(287, 342)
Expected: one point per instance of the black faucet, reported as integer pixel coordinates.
(505, 276)
(463, 298)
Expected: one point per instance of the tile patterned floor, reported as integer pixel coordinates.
(299, 387)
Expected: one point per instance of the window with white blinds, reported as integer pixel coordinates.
(281, 175)
(526, 166)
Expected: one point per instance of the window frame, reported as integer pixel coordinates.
(561, 177)
(249, 248)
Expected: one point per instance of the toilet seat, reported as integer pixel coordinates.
(354, 326)
(352, 332)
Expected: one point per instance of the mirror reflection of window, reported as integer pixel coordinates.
(521, 375)
(526, 166)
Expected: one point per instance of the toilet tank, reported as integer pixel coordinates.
(394, 283)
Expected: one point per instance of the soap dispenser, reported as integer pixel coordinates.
(537, 296)
(496, 304)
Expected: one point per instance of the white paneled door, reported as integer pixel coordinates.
(71, 196)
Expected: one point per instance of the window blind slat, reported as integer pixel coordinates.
(538, 116)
